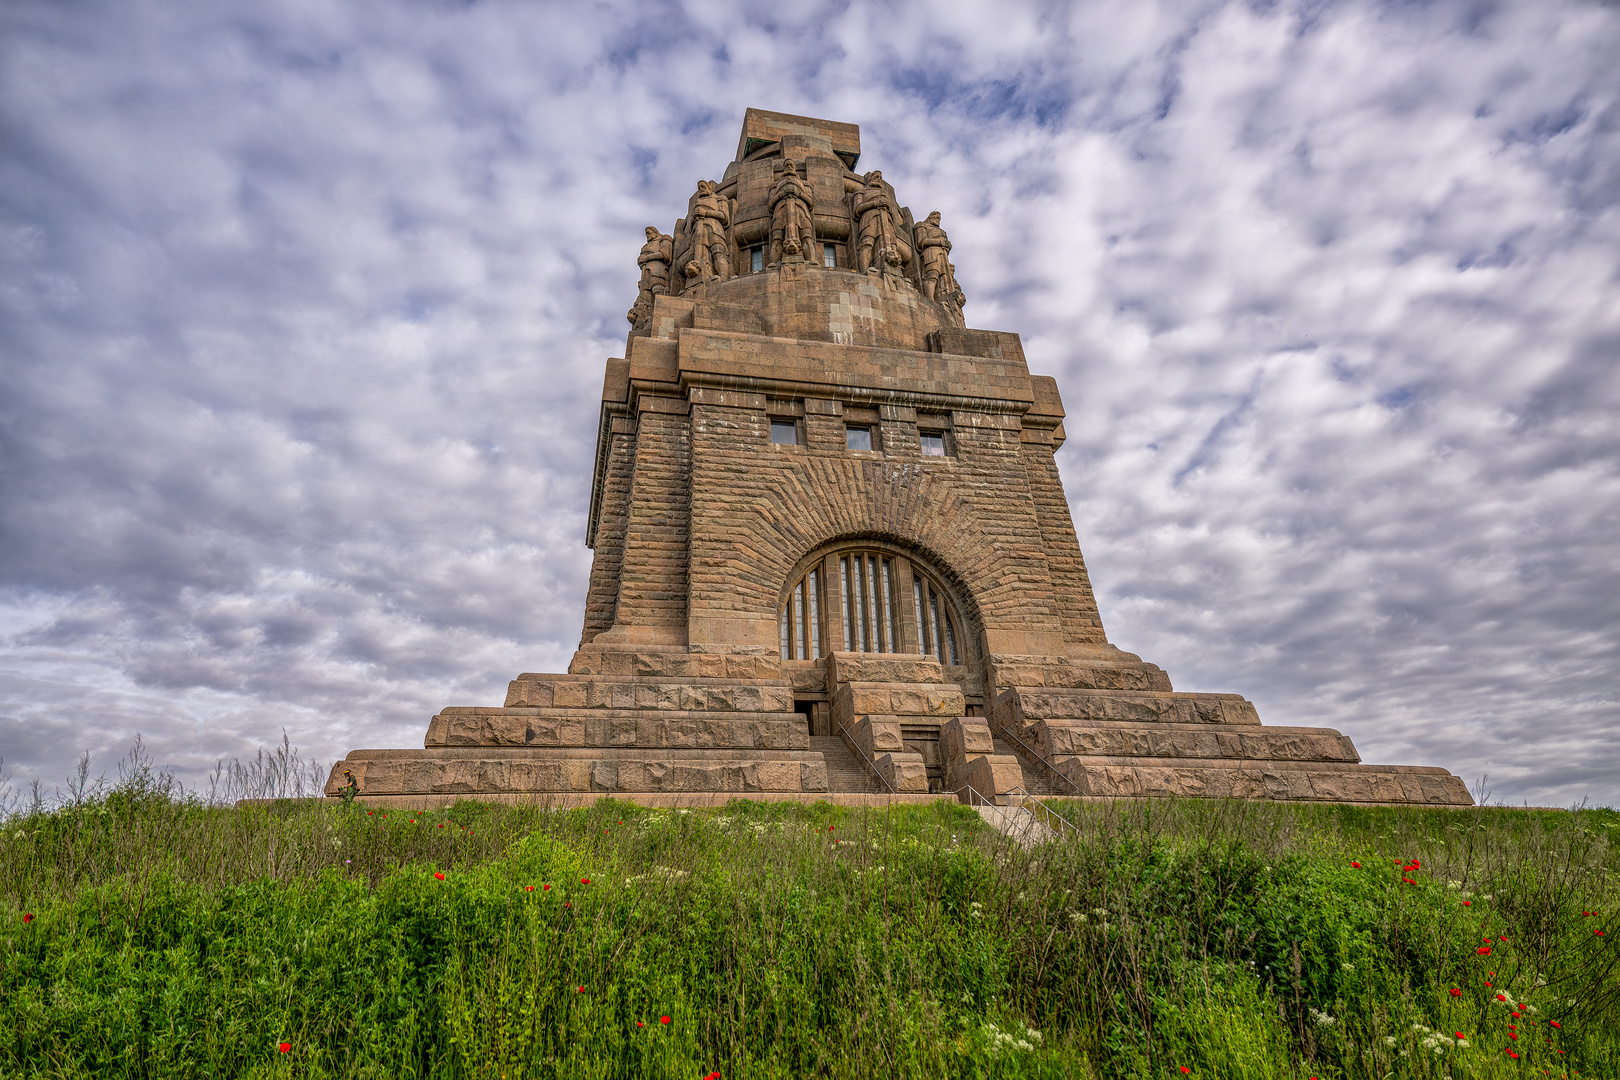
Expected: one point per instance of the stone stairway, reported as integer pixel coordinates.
(1017, 823)
(846, 773)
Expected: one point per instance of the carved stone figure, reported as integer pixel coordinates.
(656, 255)
(934, 248)
(952, 293)
(711, 217)
(875, 216)
(792, 229)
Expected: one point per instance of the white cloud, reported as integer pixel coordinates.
(305, 309)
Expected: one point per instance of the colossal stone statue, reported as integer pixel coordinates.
(934, 248)
(875, 215)
(711, 217)
(792, 230)
(656, 255)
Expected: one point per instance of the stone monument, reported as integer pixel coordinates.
(832, 551)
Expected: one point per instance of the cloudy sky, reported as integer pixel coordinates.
(304, 306)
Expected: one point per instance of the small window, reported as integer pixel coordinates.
(860, 438)
(785, 432)
(756, 259)
(933, 443)
(829, 255)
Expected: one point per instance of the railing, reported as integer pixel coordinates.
(1039, 813)
(871, 766)
(1052, 770)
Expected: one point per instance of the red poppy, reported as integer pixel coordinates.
(1484, 950)
(1468, 903)
(713, 1076)
(1511, 1054)
(1555, 1023)
(1409, 881)
(1513, 1034)
(579, 990)
(641, 1023)
(1459, 1034)
(1415, 865)
(1456, 992)
(1355, 866)
(1488, 984)
(284, 1047)
(528, 888)
(441, 824)
(1501, 997)
(830, 828)
(438, 876)
(1184, 1069)
(1599, 933)
(584, 881)
(663, 1019)
(567, 904)
(370, 812)
(413, 821)
(1502, 938)
(28, 916)
(545, 888)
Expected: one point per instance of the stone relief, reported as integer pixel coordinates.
(656, 255)
(708, 231)
(878, 246)
(792, 229)
(934, 249)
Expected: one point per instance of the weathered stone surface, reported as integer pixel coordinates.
(764, 424)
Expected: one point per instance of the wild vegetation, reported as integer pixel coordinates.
(148, 932)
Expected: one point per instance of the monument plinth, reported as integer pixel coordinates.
(832, 551)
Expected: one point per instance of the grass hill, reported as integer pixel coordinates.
(149, 934)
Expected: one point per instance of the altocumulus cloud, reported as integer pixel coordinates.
(303, 309)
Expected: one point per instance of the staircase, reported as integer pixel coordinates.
(1038, 780)
(845, 771)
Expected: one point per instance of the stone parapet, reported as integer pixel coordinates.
(1019, 706)
(1314, 782)
(851, 700)
(671, 663)
(1051, 738)
(493, 770)
(1064, 673)
(649, 692)
(610, 727)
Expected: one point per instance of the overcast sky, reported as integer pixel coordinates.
(304, 307)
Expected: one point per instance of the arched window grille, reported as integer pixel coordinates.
(866, 600)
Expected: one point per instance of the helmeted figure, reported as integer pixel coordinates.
(792, 229)
(711, 217)
(951, 293)
(875, 216)
(656, 255)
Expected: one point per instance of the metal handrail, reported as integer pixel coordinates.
(992, 804)
(849, 741)
(1006, 733)
(1046, 810)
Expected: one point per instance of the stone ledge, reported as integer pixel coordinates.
(1019, 706)
(1052, 739)
(1405, 785)
(617, 728)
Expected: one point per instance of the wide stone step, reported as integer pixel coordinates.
(673, 662)
(1022, 705)
(648, 692)
(569, 769)
(1092, 675)
(1053, 738)
(646, 729)
(937, 700)
(1313, 781)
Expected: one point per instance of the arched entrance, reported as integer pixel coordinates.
(870, 596)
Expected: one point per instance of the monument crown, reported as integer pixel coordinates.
(832, 552)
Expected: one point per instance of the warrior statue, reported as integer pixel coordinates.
(934, 247)
(951, 293)
(656, 255)
(875, 215)
(711, 217)
(792, 230)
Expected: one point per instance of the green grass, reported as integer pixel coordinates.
(170, 938)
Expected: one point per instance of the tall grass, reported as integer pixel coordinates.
(171, 937)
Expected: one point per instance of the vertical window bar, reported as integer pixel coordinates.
(939, 638)
(798, 620)
(872, 603)
(888, 606)
(815, 615)
(786, 655)
(857, 599)
(843, 597)
(922, 625)
(950, 639)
